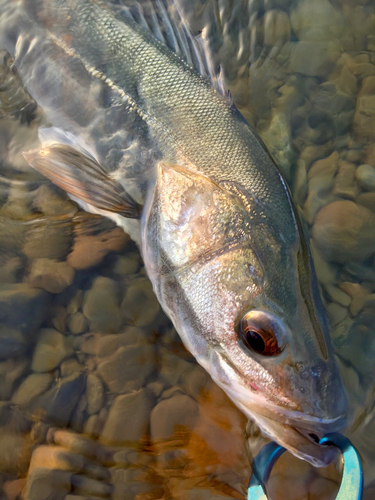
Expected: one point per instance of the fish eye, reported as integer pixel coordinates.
(262, 333)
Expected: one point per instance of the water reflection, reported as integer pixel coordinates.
(98, 397)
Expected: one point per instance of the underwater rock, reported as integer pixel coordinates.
(344, 231)
(23, 307)
(10, 271)
(51, 275)
(48, 239)
(313, 58)
(178, 411)
(47, 201)
(126, 264)
(69, 367)
(94, 394)
(365, 175)
(34, 385)
(128, 368)
(344, 185)
(47, 484)
(88, 251)
(59, 402)
(367, 200)
(12, 342)
(317, 21)
(101, 306)
(140, 306)
(276, 27)
(128, 418)
(364, 118)
(51, 349)
(77, 323)
(10, 372)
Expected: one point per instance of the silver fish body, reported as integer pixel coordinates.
(219, 235)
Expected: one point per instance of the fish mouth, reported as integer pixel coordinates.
(298, 433)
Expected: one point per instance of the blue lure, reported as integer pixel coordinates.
(352, 478)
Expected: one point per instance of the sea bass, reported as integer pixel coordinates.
(140, 134)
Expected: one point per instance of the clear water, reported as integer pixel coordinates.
(98, 397)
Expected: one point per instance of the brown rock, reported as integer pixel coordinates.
(344, 231)
(89, 251)
(51, 275)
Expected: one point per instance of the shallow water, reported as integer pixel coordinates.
(99, 399)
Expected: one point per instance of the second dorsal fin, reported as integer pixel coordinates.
(164, 19)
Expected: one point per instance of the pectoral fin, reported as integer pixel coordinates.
(79, 174)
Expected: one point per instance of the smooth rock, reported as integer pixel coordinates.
(34, 385)
(75, 303)
(47, 484)
(173, 367)
(126, 264)
(107, 345)
(55, 457)
(49, 202)
(344, 185)
(59, 402)
(338, 295)
(313, 58)
(89, 251)
(364, 118)
(94, 394)
(367, 200)
(77, 323)
(12, 342)
(23, 307)
(51, 275)
(10, 371)
(51, 349)
(344, 231)
(140, 306)
(276, 27)
(101, 306)
(69, 367)
(129, 484)
(11, 270)
(128, 368)
(317, 21)
(48, 239)
(87, 486)
(14, 452)
(128, 418)
(365, 175)
(168, 416)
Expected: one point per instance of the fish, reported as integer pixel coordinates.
(142, 131)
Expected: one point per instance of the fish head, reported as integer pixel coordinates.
(244, 300)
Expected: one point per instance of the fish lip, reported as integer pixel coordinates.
(299, 436)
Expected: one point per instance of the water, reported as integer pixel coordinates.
(99, 399)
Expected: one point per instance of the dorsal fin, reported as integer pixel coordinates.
(165, 21)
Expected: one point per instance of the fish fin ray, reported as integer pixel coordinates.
(165, 20)
(79, 174)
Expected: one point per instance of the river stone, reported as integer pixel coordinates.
(171, 414)
(48, 239)
(23, 307)
(47, 484)
(276, 27)
(51, 349)
(11, 270)
(77, 323)
(58, 403)
(47, 201)
(14, 452)
(107, 345)
(365, 175)
(128, 368)
(344, 231)
(364, 118)
(89, 251)
(128, 418)
(51, 275)
(69, 367)
(94, 394)
(126, 264)
(313, 58)
(140, 306)
(317, 21)
(101, 306)
(10, 371)
(12, 342)
(367, 200)
(34, 385)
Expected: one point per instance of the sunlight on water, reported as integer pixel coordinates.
(98, 397)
